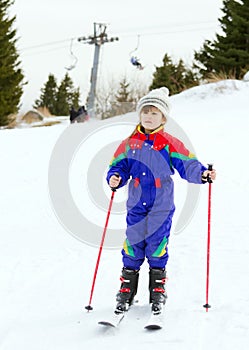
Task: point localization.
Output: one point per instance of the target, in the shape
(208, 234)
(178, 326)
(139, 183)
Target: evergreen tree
(162, 75)
(123, 92)
(75, 98)
(48, 95)
(67, 96)
(123, 102)
(11, 75)
(60, 99)
(175, 76)
(229, 52)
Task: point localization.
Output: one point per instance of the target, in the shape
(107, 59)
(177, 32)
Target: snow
(246, 76)
(46, 273)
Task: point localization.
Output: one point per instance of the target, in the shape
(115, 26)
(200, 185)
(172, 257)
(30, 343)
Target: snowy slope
(46, 273)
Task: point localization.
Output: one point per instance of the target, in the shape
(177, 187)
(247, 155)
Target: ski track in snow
(46, 274)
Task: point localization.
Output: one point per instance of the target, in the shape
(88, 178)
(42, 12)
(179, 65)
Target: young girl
(148, 158)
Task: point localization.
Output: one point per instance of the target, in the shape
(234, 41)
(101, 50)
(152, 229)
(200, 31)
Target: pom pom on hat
(158, 98)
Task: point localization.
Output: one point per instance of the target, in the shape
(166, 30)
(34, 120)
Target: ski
(114, 321)
(155, 321)
(117, 317)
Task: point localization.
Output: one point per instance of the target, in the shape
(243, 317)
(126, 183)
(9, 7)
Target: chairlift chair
(74, 59)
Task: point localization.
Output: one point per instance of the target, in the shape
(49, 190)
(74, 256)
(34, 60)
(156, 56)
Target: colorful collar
(157, 136)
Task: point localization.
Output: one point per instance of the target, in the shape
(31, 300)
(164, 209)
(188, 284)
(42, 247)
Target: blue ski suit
(148, 161)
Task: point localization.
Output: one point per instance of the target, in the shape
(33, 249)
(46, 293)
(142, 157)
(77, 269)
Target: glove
(208, 176)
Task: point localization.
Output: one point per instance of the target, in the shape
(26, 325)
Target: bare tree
(118, 97)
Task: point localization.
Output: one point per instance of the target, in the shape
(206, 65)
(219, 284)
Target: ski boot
(128, 290)
(158, 294)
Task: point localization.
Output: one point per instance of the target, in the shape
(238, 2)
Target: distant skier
(134, 60)
(148, 158)
(82, 110)
(79, 116)
(82, 115)
(73, 115)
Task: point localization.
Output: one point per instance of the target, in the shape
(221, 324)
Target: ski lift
(73, 57)
(134, 59)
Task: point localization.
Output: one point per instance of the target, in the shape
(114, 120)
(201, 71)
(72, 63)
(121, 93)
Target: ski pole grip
(114, 189)
(210, 167)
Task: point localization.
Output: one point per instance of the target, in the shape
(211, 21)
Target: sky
(48, 31)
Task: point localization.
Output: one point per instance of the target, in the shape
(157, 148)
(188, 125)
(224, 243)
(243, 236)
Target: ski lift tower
(99, 38)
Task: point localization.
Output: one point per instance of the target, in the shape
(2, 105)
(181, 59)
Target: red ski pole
(89, 307)
(207, 305)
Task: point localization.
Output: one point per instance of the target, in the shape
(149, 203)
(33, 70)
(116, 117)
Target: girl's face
(151, 118)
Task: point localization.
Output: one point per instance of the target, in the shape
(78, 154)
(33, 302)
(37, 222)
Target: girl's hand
(114, 181)
(209, 173)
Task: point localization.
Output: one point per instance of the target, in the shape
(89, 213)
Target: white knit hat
(158, 98)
